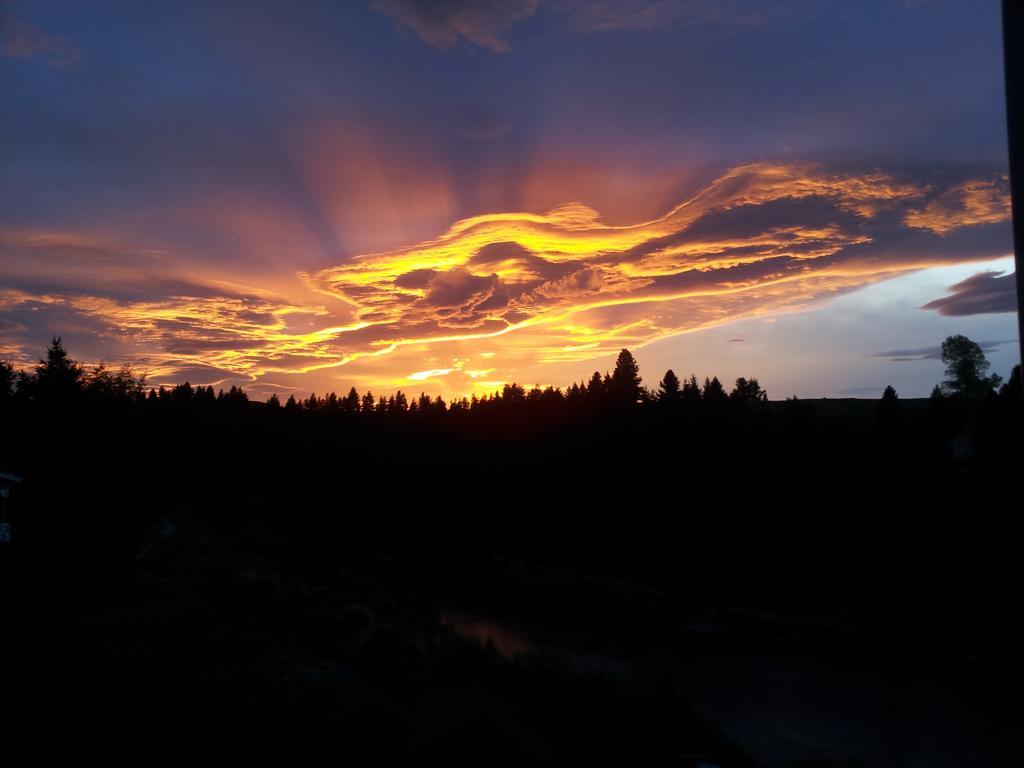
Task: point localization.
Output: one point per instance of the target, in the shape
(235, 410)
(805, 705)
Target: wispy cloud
(933, 353)
(443, 23)
(24, 41)
(608, 15)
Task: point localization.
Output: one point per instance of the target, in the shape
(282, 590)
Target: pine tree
(351, 402)
(691, 391)
(714, 392)
(748, 391)
(57, 377)
(625, 381)
(668, 388)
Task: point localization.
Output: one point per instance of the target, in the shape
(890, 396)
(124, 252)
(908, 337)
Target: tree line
(59, 378)
(94, 442)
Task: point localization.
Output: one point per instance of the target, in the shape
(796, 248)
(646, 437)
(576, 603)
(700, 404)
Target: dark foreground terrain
(790, 583)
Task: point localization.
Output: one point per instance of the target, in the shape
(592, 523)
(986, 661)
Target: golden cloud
(498, 297)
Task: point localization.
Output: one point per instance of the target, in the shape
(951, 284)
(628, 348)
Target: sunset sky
(446, 196)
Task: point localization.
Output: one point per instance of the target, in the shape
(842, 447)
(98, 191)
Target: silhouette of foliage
(1011, 390)
(965, 368)
(669, 389)
(748, 391)
(625, 386)
(714, 393)
(7, 379)
(57, 377)
(889, 407)
(691, 391)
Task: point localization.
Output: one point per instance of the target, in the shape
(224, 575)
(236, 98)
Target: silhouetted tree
(1011, 389)
(236, 396)
(889, 407)
(273, 402)
(6, 381)
(57, 376)
(128, 384)
(124, 385)
(669, 390)
(182, 393)
(714, 392)
(351, 402)
(965, 368)
(691, 391)
(748, 391)
(512, 394)
(625, 382)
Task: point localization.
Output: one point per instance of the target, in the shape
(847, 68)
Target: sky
(446, 196)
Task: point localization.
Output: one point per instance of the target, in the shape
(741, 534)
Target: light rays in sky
(502, 296)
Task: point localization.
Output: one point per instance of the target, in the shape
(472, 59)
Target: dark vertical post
(1013, 64)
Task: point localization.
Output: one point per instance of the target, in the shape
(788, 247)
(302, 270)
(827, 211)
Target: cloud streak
(19, 40)
(983, 293)
(933, 353)
(444, 23)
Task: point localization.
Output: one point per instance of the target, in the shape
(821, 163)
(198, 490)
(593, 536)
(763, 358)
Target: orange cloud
(979, 201)
(505, 296)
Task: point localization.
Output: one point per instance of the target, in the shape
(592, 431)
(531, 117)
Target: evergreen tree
(713, 392)
(57, 376)
(889, 407)
(625, 382)
(351, 402)
(669, 389)
(748, 391)
(401, 402)
(6, 382)
(691, 391)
